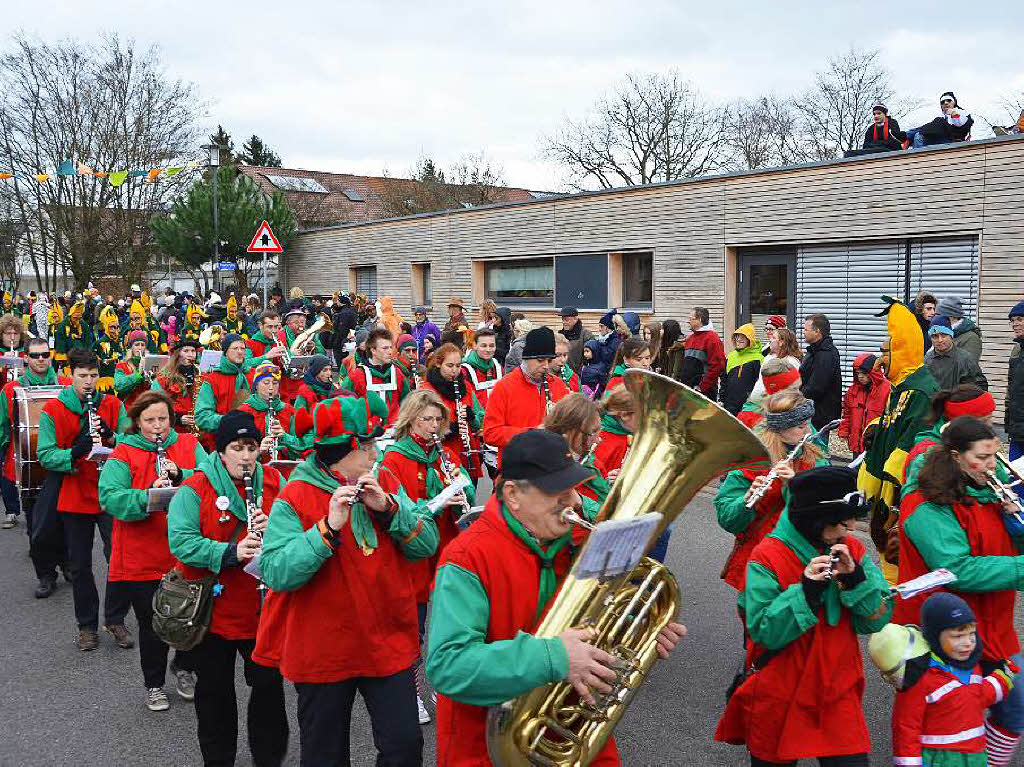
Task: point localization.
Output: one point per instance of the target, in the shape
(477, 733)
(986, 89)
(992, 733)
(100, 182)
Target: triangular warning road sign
(264, 241)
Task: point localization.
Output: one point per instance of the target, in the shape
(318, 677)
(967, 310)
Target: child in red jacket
(939, 714)
(863, 401)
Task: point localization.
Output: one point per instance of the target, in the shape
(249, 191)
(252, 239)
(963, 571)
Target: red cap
(777, 320)
(979, 407)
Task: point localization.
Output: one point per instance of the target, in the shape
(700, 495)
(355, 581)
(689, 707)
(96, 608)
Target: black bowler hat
(540, 344)
(543, 459)
(570, 311)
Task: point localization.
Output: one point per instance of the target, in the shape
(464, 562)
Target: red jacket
(355, 617)
(128, 368)
(236, 612)
(397, 470)
(510, 575)
(861, 405)
(10, 467)
(610, 452)
(940, 712)
(515, 405)
(139, 550)
(181, 396)
(703, 351)
(987, 537)
(778, 711)
(391, 388)
(482, 383)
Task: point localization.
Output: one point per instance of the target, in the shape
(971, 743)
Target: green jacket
(126, 383)
(733, 515)
(207, 417)
(53, 458)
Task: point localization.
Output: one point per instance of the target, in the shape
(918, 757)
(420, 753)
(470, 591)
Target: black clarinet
(460, 417)
(250, 517)
(547, 393)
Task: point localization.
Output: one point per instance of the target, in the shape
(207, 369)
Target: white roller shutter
(946, 267)
(845, 281)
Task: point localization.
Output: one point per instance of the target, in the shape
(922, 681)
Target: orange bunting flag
(99, 174)
(41, 177)
(153, 173)
(6, 175)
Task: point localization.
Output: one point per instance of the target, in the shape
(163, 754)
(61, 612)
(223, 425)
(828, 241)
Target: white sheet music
(210, 360)
(924, 583)
(99, 453)
(440, 500)
(253, 566)
(616, 546)
(159, 498)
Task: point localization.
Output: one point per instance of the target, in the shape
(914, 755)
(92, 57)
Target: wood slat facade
(695, 227)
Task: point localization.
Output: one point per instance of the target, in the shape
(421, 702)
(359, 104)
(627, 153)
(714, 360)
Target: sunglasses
(39, 355)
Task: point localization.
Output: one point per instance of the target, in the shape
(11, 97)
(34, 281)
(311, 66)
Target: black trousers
(79, 534)
(850, 760)
(325, 718)
(213, 661)
(152, 650)
(46, 544)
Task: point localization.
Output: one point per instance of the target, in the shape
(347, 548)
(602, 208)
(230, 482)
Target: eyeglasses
(39, 355)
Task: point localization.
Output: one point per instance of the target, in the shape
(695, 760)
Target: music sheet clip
(210, 360)
(153, 362)
(440, 500)
(616, 546)
(99, 453)
(16, 363)
(923, 583)
(300, 363)
(283, 465)
(159, 498)
(253, 567)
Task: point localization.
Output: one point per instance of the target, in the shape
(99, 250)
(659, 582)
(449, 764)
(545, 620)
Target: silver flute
(772, 475)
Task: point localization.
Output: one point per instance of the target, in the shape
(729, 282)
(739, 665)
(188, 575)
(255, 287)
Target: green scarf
(70, 400)
(619, 371)
(257, 403)
(229, 367)
(411, 449)
(805, 552)
(565, 373)
(263, 339)
(359, 520)
(613, 425)
(548, 581)
(29, 378)
(215, 471)
(597, 483)
(137, 440)
(473, 360)
(382, 372)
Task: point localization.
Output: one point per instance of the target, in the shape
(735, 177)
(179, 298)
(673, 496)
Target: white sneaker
(156, 699)
(10, 520)
(424, 714)
(185, 684)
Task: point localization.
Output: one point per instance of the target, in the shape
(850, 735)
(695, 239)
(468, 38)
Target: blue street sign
(227, 266)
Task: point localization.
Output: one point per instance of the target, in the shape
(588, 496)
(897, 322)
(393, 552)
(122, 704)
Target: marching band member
(483, 371)
(523, 397)
(494, 582)
(560, 364)
(266, 339)
(776, 375)
(951, 518)
(67, 434)
(787, 421)
(341, 616)
(357, 357)
(810, 589)
(72, 333)
(194, 316)
(414, 463)
(634, 352)
(209, 534)
(380, 374)
(130, 380)
(618, 421)
(109, 348)
(294, 324)
(317, 384)
(444, 377)
(139, 320)
(177, 379)
(408, 358)
(139, 552)
(220, 390)
(13, 338)
(578, 419)
(266, 389)
(965, 399)
(46, 542)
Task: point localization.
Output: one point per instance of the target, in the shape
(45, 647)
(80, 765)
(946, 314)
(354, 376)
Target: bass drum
(28, 405)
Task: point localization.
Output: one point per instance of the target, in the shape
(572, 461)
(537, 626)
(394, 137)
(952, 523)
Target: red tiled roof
(314, 209)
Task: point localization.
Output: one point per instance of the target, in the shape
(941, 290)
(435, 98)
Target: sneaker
(121, 635)
(185, 684)
(156, 699)
(424, 714)
(46, 588)
(87, 640)
(999, 130)
(9, 521)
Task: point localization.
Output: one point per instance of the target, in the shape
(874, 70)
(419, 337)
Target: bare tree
(763, 133)
(473, 180)
(650, 128)
(835, 111)
(106, 106)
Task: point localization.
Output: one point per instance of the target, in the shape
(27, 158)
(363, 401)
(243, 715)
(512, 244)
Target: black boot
(46, 588)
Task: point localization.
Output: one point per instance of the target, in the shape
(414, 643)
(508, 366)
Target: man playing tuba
(493, 584)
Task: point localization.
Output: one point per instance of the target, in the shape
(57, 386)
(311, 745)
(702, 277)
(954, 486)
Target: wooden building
(828, 237)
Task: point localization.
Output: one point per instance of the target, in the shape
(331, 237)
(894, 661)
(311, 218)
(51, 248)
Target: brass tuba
(304, 343)
(682, 442)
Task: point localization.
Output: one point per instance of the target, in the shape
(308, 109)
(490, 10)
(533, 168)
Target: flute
(359, 490)
(772, 475)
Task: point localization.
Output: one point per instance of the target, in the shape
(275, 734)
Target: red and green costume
(216, 397)
(453, 440)
(288, 444)
(415, 466)
(516, 404)
(199, 528)
(60, 423)
(569, 378)
(179, 389)
(493, 584)
(778, 711)
(8, 402)
(290, 386)
(353, 591)
(386, 381)
(139, 549)
(614, 442)
(129, 381)
(482, 375)
(615, 377)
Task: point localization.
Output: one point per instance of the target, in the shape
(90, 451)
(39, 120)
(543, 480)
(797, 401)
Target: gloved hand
(81, 446)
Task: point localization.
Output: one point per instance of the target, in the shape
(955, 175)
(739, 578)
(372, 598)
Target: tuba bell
(305, 342)
(682, 442)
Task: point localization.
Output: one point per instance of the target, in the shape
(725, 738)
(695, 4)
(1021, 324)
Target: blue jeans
(1009, 714)
(9, 492)
(917, 139)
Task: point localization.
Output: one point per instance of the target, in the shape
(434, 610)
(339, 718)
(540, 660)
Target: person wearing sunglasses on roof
(954, 124)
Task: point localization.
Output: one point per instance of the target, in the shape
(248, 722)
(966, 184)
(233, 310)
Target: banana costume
(72, 332)
(232, 321)
(138, 319)
(108, 348)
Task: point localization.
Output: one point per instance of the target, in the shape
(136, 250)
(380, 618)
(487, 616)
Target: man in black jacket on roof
(820, 371)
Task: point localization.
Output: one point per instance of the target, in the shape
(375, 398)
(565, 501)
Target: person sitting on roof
(884, 134)
(954, 124)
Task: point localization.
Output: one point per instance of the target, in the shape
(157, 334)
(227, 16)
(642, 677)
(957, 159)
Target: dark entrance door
(767, 286)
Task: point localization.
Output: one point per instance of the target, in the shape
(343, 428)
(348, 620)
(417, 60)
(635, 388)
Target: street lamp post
(213, 162)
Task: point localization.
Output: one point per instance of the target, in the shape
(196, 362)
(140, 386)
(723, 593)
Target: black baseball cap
(570, 311)
(543, 459)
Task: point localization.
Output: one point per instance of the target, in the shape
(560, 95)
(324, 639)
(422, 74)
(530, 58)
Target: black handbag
(182, 608)
(745, 674)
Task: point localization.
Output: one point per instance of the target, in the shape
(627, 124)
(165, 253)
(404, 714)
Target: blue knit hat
(1017, 310)
(943, 611)
(940, 325)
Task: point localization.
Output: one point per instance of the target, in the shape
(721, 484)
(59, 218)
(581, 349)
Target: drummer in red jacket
(494, 582)
(522, 399)
(70, 427)
(341, 616)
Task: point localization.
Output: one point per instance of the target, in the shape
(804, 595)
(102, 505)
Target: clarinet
(547, 393)
(447, 469)
(159, 456)
(269, 422)
(250, 517)
(460, 416)
(359, 490)
(93, 417)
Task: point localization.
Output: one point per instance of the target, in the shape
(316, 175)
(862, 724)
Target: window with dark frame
(638, 279)
(521, 282)
(366, 281)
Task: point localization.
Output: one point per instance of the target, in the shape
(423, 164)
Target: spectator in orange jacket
(863, 402)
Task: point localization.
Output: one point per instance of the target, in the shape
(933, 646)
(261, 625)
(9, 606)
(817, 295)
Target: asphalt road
(59, 706)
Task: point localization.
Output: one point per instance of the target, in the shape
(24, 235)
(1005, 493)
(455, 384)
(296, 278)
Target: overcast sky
(346, 87)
